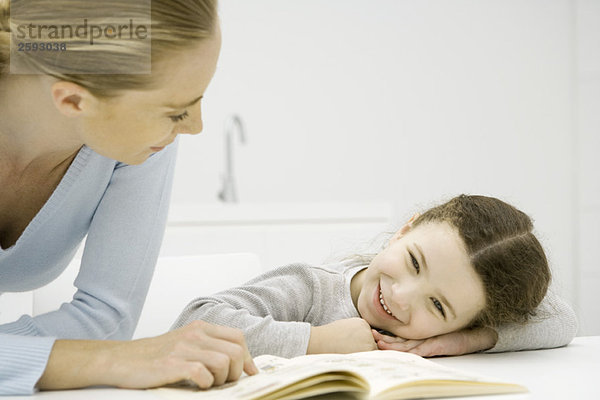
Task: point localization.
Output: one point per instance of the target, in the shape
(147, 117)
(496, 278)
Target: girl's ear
(407, 227)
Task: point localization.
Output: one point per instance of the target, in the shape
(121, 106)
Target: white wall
(587, 87)
(409, 102)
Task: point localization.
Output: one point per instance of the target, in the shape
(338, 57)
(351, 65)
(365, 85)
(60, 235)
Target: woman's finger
(249, 367)
(236, 355)
(223, 359)
(225, 340)
(217, 363)
(200, 375)
(239, 355)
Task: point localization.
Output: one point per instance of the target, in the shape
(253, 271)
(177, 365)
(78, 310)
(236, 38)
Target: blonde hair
(175, 25)
(4, 35)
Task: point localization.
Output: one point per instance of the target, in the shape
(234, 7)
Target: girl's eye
(439, 306)
(415, 263)
(180, 117)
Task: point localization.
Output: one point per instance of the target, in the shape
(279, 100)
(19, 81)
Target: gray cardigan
(276, 310)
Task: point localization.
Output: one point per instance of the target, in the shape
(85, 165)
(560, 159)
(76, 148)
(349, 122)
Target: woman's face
(132, 126)
(422, 284)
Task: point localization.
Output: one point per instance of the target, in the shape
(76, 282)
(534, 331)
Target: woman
(465, 276)
(88, 153)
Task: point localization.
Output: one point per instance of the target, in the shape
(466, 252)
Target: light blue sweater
(123, 210)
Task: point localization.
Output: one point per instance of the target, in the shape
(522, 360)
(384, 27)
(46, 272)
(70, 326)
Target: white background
(410, 103)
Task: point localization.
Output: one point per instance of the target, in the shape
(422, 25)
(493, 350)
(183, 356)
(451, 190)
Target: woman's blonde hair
(175, 25)
(4, 35)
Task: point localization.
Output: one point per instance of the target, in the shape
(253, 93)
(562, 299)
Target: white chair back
(176, 281)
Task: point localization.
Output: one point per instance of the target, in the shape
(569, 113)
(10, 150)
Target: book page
(275, 373)
(381, 369)
(387, 368)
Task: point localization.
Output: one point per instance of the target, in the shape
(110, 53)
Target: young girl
(465, 276)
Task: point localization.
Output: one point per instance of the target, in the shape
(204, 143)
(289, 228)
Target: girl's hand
(450, 344)
(386, 342)
(202, 353)
(343, 336)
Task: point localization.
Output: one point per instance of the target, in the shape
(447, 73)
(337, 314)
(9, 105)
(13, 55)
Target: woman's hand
(205, 354)
(450, 344)
(343, 336)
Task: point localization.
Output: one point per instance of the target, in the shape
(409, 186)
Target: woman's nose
(193, 124)
(189, 127)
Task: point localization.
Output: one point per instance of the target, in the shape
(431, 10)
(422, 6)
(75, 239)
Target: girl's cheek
(389, 267)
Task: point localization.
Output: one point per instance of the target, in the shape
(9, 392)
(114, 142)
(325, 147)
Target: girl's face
(422, 284)
(131, 127)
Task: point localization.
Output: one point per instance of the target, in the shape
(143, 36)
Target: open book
(369, 375)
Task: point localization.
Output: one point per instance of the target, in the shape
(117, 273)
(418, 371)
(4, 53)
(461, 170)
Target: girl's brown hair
(176, 25)
(504, 252)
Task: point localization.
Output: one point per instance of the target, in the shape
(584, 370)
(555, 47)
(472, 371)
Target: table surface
(564, 373)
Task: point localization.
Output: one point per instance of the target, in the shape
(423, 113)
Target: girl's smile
(380, 305)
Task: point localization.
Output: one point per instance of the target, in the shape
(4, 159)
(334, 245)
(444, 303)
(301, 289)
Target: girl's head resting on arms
(124, 116)
(472, 261)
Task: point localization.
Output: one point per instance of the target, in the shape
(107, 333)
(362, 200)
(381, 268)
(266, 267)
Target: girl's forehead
(436, 233)
(442, 249)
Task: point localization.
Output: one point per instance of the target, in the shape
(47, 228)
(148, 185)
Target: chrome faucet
(228, 192)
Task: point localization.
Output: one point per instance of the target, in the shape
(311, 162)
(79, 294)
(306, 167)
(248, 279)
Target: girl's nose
(402, 297)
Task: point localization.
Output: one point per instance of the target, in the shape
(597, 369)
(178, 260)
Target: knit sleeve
(554, 325)
(269, 309)
(22, 362)
(120, 254)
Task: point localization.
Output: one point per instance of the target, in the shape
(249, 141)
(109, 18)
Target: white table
(571, 373)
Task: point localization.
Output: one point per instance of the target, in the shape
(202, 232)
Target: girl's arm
(555, 325)
(269, 310)
(276, 310)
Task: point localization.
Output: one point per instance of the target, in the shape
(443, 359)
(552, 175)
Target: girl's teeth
(383, 303)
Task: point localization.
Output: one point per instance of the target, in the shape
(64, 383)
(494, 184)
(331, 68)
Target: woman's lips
(159, 148)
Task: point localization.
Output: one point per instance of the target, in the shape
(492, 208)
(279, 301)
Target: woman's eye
(415, 263)
(180, 117)
(439, 306)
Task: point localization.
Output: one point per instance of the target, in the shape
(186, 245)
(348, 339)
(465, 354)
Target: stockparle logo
(100, 40)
